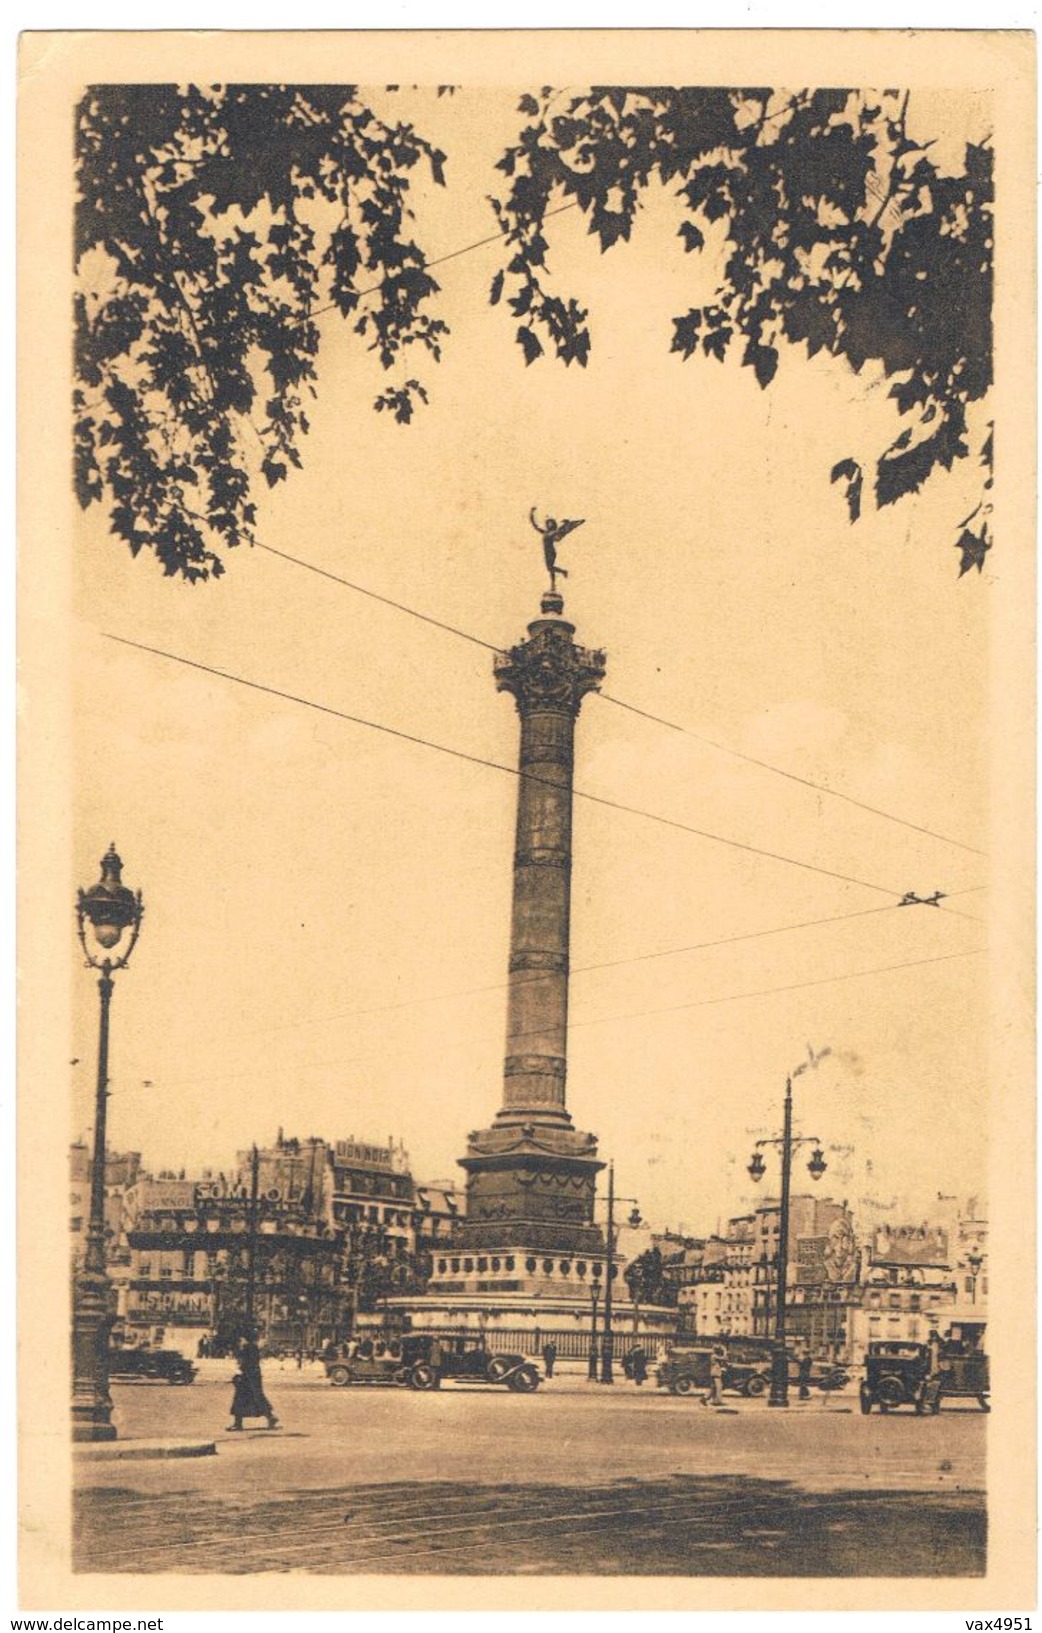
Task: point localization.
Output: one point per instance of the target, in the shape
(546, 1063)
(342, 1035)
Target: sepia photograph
(526, 820)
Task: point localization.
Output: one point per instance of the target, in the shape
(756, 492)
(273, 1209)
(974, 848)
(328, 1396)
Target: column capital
(548, 671)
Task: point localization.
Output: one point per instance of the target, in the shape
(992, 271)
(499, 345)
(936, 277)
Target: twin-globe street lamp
(788, 1142)
(108, 919)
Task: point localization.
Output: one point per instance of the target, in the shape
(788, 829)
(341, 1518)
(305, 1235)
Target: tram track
(328, 1547)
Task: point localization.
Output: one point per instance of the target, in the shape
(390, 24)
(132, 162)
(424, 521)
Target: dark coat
(249, 1399)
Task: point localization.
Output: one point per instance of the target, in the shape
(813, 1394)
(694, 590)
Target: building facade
(729, 1283)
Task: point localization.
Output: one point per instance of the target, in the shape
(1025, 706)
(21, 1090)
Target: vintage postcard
(526, 821)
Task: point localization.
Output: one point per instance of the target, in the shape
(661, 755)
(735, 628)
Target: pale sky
(328, 908)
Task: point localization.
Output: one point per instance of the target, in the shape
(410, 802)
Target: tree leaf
(530, 344)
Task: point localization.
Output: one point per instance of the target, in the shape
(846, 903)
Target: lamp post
(779, 1395)
(974, 1260)
(251, 1261)
(608, 1338)
(592, 1369)
(765, 1266)
(108, 920)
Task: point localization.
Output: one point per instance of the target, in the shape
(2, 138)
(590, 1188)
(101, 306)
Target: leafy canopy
(836, 231)
(213, 225)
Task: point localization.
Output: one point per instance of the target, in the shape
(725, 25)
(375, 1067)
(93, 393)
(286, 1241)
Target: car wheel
(757, 1384)
(890, 1392)
(865, 1397)
(339, 1377)
(497, 1369)
(683, 1386)
(423, 1377)
(525, 1380)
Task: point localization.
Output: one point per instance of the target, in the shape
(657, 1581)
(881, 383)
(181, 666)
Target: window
(482, 1264)
(566, 1267)
(468, 1264)
(530, 1265)
(495, 1264)
(508, 1263)
(581, 1267)
(442, 1266)
(455, 1267)
(548, 1267)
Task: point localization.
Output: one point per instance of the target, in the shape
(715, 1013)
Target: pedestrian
(935, 1351)
(638, 1364)
(549, 1357)
(249, 1399)
(716, 1375)
(803, 1366)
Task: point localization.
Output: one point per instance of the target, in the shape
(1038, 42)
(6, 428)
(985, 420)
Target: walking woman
(249, 1399)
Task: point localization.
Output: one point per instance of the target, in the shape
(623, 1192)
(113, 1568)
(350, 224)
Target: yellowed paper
(802, 822)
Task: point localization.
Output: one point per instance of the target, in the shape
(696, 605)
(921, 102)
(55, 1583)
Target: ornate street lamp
(108, 919)
(608, 1339)
(974, 1260)
(788, 1142)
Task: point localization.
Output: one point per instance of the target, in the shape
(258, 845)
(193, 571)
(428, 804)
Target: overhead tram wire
(496, 765)
(671, 725)
(522, 979)
(632, 1015)
(640, 1014)
(765, 992)
(631, 708)
(792, 776)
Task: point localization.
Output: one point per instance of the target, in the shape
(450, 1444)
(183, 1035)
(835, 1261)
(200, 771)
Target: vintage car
(902, 1374)
(746, 1367)
(422, 1360)
(374, 1361)
(471, 1360)
(895, 1375)
(963, 1370)
(686, 1368)
(158, 1365)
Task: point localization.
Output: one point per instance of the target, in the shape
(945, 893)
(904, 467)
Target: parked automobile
(422, 1360)
(161, 1365)
(685, 1368)
(374, 1361)
(963, 1369)
(904, 1374)
(896, 1372)
(746, 1367)
(472, 1360)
